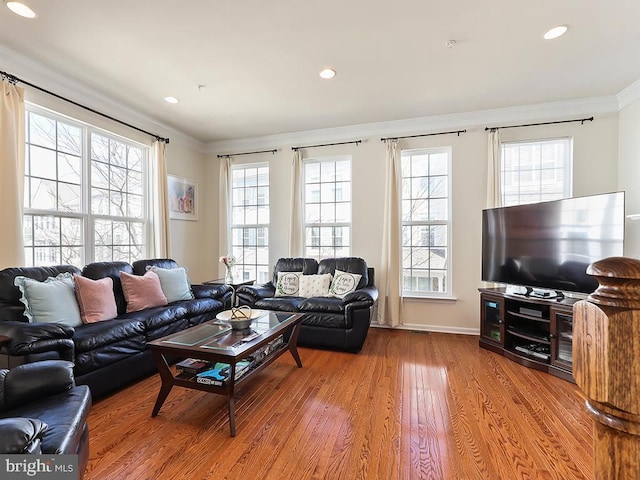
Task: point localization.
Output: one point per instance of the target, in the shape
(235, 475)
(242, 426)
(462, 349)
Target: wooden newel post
(606, 365)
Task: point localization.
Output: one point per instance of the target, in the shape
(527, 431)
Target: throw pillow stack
(295, 284)
(73, 299)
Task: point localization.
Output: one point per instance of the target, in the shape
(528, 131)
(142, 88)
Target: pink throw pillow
(95, 299)
(142, 292)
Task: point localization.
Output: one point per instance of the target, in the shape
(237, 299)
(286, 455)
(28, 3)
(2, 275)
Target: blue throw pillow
(174, 283)
(51, 301)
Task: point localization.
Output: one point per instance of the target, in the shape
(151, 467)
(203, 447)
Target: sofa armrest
(211, 291)
(33, 381)
(21, 435)
(29, 338)
(252, 293)
(367, 295)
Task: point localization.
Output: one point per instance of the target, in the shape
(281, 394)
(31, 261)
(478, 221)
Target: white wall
(595, 171)
(629, 173)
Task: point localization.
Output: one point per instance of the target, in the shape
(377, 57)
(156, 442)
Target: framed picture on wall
(183, 198)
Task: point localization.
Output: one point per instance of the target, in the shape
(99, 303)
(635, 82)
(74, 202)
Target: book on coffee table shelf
(219, 373)
(192, 366)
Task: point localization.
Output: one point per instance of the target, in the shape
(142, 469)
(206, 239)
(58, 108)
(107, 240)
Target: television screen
(549, 245)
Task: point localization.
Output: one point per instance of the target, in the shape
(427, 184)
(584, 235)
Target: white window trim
(446, 296)
(88, 252)
(305, 225)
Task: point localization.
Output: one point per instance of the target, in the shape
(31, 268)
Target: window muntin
(85, 197)
(250, 221)
(327, 207)
(536, 170)
(426, 222)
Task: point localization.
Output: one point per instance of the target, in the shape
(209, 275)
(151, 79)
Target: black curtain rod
(357, 142)
(581, 120)
(13, 79)
(423, 135)
(229, 155)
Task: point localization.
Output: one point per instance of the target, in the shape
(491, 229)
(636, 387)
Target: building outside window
(250, 221)
(327, 207)
(536, 170)
(426, 222)
(85, 195)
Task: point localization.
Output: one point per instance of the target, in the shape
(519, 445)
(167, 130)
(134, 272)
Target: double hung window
(426, 222)
(535, 170)
(250, 221)
(327, 207)
(85, 193)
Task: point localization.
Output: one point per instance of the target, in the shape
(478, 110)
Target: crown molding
(469, 120)
(629, 95)
(34, 72)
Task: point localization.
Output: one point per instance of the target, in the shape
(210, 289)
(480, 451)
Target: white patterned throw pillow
(288, 284)
(315, 285)
(343, 283)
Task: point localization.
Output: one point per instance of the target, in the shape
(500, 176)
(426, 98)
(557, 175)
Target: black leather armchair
(328, 322)
(42, 410)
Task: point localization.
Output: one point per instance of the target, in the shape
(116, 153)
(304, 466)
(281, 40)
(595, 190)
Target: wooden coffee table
(216, 342)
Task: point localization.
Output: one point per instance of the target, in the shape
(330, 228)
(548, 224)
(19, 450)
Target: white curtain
(224, 235)
(296, 234)
(390, 302)
(12, 118)
(160, 199)
(494, 184)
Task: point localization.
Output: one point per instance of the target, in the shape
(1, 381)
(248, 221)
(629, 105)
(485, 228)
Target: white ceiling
(260, 59)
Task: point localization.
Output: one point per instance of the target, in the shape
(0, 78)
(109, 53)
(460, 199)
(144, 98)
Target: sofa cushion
(95, 299)
(142, 292)
(315, 285)
(308, 266)
(51, 301)
(288, 284)
(96, 335)
(346, 264)
(343, 283)
(283, 304)
(174, 283)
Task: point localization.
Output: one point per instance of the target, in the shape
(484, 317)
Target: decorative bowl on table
(239, 317)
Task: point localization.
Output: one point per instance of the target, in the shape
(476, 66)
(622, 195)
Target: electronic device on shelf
(544, 249)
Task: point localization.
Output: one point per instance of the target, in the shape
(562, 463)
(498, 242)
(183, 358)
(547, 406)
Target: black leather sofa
(108, 354)
(43, 411)
(328, 322)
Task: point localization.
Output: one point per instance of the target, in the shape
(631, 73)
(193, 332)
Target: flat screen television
(548, 246)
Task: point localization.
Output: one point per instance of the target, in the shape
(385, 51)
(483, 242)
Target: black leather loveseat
(107, 354)
(328, 321)
(42, 411)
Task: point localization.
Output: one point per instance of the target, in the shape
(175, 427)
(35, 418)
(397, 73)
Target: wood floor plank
(408, 406)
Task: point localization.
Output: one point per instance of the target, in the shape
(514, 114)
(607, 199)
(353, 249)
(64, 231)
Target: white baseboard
(432, 328)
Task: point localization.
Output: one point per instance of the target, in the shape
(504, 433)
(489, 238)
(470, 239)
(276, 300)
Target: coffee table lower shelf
(164, 355)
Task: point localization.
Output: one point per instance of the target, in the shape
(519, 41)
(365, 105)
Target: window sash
(327, 184)
(135, 216)
(426, 236)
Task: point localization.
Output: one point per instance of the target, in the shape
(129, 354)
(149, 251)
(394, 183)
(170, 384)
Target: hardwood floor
(408, 406)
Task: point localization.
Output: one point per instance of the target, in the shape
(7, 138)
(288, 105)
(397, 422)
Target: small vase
(228, 276)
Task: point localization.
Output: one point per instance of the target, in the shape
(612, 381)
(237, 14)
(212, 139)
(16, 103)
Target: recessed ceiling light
(20, 8)
(328, 73)
(556, 32)
(171, 100)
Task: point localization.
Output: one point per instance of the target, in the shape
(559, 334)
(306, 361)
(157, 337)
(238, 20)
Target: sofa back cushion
(10, 306)
(98, 270)
(140, 267)
(346, 264)
(308, 266)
